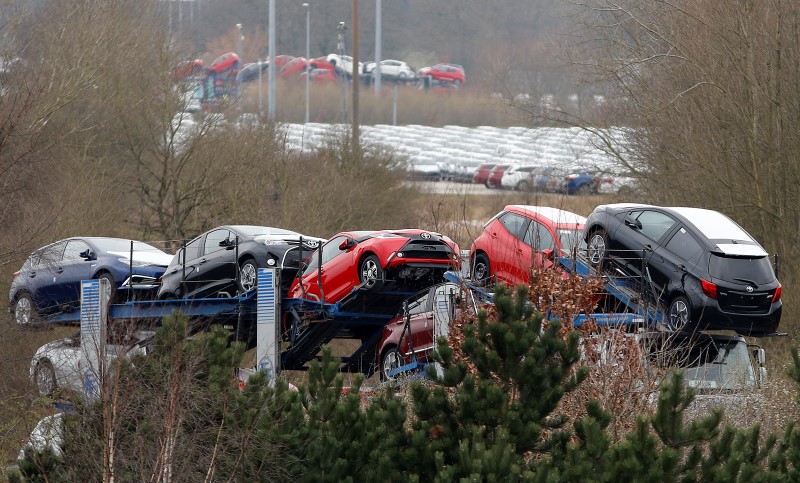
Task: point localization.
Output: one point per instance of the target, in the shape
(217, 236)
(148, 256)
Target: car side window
(331, 249)
(214, 238)
(51, 255)
(194, 249)
(74, 249)
(419, 306)
(655, 224)
(684, 245)
(539, 237)
(514, 224)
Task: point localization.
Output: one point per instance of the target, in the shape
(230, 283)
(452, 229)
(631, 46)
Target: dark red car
(496, 175)
(444, 73)
(397, 260)
(522, 237)
(482, 173)
(415, 334)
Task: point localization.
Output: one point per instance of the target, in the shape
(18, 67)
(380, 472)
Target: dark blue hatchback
(49, 280)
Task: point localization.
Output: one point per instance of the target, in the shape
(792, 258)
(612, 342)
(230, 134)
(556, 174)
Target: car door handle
(59, 270)
(32, 274)
(649, 248)
(203, 261)
(494, 235)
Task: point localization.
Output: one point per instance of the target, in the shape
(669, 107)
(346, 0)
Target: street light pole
(272, 26)
(376, 72)
(239, 79)
(308, 59)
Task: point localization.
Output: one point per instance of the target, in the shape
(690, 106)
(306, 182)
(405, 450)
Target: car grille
(745, 302)
(427, 249)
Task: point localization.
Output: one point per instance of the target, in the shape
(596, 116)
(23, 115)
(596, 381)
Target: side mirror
(347, 244)
(87, 254)
(548, 253)
(228, 244)
(635, 224)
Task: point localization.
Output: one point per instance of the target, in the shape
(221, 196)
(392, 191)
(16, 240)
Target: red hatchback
(523, 237)
(496, 175)
(397, 260)
(482, 173)
(444, 73)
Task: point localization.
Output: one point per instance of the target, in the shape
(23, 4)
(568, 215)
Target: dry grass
(465, 107)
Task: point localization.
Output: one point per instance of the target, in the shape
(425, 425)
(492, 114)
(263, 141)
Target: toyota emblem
(426, 236)
(749, 288)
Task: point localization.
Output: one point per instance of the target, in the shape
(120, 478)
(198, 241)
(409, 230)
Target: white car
(64, 363)
(520, 178)
(393, 69)
(344, 63)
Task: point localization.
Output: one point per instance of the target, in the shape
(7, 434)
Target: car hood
(310, 242)
(153, 258)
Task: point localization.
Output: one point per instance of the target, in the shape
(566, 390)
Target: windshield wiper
(747, 281)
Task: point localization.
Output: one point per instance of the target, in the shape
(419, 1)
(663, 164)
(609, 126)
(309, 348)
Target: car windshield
(120, 245)
(755, 270)
(708, 365)
(571, 239)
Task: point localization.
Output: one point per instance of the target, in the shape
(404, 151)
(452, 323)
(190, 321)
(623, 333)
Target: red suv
(523, 237)
(376, 260)
(444, 73)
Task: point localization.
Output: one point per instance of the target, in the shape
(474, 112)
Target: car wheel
(584, 190)
(24, 310)
(457, 82)
(371, 273)
(248, 275)
(523, 186)
(679, 314)
(402, 77)
(390, 361)
(45, 378)
(112, 289)
(480, 270)
(598, 247)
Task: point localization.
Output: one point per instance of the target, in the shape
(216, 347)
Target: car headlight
(135, 263)
(270, 243)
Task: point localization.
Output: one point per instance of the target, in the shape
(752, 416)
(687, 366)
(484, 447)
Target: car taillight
(778, 293)
(710, 289)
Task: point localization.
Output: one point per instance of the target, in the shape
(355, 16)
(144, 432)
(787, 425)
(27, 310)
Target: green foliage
(488, 421)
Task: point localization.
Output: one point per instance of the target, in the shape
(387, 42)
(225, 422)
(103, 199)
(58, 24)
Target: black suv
(703, 268)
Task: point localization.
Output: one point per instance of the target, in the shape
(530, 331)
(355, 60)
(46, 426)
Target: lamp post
(376, 72)
(308, 59)
(239, 53)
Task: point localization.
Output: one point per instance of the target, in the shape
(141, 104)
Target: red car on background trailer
(225, 62)
(320, 75)
(374, 260)
(322, 63)
(444, 73)
(522, 237)
(188, 68)
(496, 175)
(482, 173)
(281, 60)
(294, 67)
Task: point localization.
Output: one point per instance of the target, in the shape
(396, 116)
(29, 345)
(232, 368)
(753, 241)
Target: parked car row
(547, 179)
